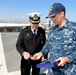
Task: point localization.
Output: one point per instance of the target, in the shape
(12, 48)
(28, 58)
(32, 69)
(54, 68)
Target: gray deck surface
(12, 57)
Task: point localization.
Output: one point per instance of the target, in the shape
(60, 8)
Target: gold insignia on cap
(35, 17)
(51, 7)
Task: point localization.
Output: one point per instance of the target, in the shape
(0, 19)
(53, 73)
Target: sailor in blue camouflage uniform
(61, 42)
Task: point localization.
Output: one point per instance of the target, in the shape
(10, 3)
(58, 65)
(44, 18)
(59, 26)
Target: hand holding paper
(37, 56)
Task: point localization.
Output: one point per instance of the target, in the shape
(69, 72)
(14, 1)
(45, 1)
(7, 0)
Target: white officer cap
(33, 13)
(34, 17)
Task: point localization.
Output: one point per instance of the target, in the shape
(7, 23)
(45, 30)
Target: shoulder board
(24, 27)
(41, 28)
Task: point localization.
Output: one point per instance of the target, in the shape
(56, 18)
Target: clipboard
(49, 63)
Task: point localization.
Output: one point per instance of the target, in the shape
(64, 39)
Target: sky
(17, 9)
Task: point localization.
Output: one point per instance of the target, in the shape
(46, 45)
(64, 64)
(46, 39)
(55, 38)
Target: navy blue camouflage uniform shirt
(62, 43)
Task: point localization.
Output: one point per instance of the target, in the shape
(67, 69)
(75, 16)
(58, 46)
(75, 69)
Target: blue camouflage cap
(55, 8)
